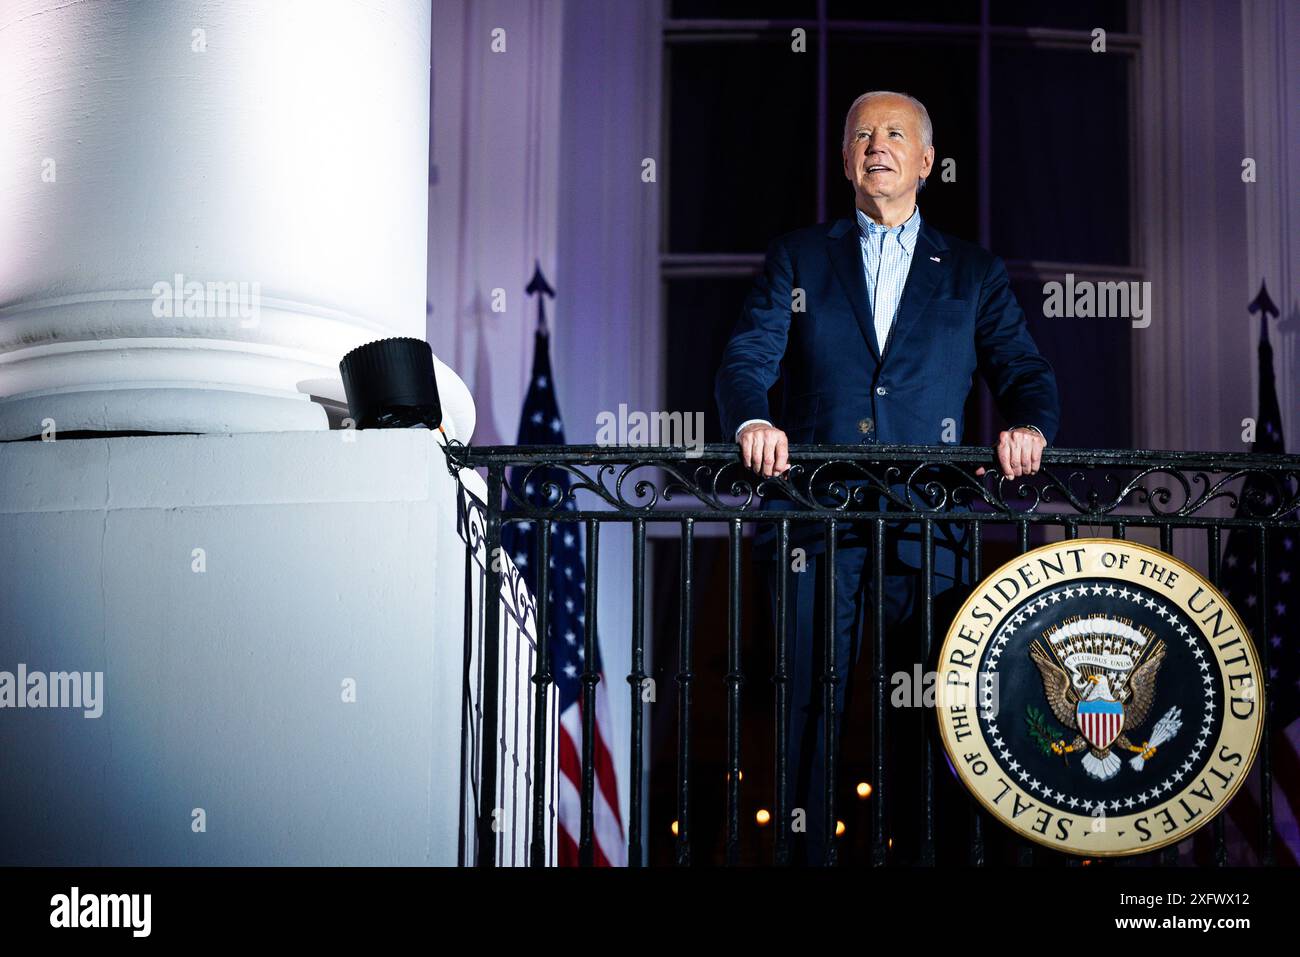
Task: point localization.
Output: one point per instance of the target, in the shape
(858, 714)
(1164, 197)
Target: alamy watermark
(179, 299)
(1085, 299)
(55, 689)
(636, 428)
(76, 909)
(924, 689)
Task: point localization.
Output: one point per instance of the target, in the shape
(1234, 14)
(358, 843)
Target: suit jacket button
(881, 390)
(865, 426)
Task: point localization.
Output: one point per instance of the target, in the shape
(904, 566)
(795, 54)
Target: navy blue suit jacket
(957, 316)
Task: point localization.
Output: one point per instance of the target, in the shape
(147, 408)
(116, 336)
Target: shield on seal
(1100, 721)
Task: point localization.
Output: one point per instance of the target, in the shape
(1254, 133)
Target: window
(1037, 127)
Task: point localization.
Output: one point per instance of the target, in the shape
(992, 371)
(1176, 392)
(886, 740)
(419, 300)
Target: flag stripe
(607, 830)
(1245, 813)
(1286, 772)
(605, 774)
(571, 799)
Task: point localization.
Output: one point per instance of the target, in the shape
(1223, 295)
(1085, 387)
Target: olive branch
(1044, 733)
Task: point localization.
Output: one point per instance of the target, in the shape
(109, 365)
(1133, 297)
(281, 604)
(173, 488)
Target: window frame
(986, 35)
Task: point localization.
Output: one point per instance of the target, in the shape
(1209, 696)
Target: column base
(158, 409)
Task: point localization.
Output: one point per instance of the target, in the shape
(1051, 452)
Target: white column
(204, 205)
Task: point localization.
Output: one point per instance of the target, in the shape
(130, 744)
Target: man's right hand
(764, 449)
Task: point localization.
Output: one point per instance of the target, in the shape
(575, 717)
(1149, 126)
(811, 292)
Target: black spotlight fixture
(390, 385)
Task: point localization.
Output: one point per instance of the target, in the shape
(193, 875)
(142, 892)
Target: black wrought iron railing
(1189, 501)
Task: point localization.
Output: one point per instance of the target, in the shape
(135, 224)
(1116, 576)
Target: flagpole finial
(538, 286)
(538, 283)
(1263, 305)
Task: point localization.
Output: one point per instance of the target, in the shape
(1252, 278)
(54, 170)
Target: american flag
(541, 425)
(1240, 581)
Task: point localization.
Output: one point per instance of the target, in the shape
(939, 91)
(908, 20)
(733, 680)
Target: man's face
(885, 156)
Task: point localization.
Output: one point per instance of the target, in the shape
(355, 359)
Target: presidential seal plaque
(1100, 697)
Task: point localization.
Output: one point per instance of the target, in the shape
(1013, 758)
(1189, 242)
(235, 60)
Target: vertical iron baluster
(1266, 756)
(553, 826)
(927, 639)
(1024, 850)
(477, 744)
(637, 680)
(830, 678)
(515, 695)
(976, 817)
(586, 844)
(1119, 530)
(1071, 532)
(542, 684)
(782, 682)
(1220, 835)
(467, 699)
(487, 837)
(879, 690)
(734, 679)
(1168, 854)
(684, 677)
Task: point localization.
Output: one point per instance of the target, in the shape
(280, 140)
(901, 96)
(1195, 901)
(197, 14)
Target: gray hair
(927, 129)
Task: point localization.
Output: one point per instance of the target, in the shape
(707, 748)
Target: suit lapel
(846, 258)
(922, 279)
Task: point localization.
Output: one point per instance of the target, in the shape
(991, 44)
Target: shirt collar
(906, 232)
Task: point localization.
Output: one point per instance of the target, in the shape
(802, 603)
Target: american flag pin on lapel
(934, 259)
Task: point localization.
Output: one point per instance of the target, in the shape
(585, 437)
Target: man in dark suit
(881, 323)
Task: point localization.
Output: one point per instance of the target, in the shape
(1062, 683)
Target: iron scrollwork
(1082, 485)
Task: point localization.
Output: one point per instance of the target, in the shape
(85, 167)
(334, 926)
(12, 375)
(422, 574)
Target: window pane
(700, 314)
(1061, 14)
(744, 9)
(1060, 150)
(1092, 361)
(915, 11)
(941, 74)
(741, 144)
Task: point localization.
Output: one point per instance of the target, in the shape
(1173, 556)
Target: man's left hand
(1019, 452)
